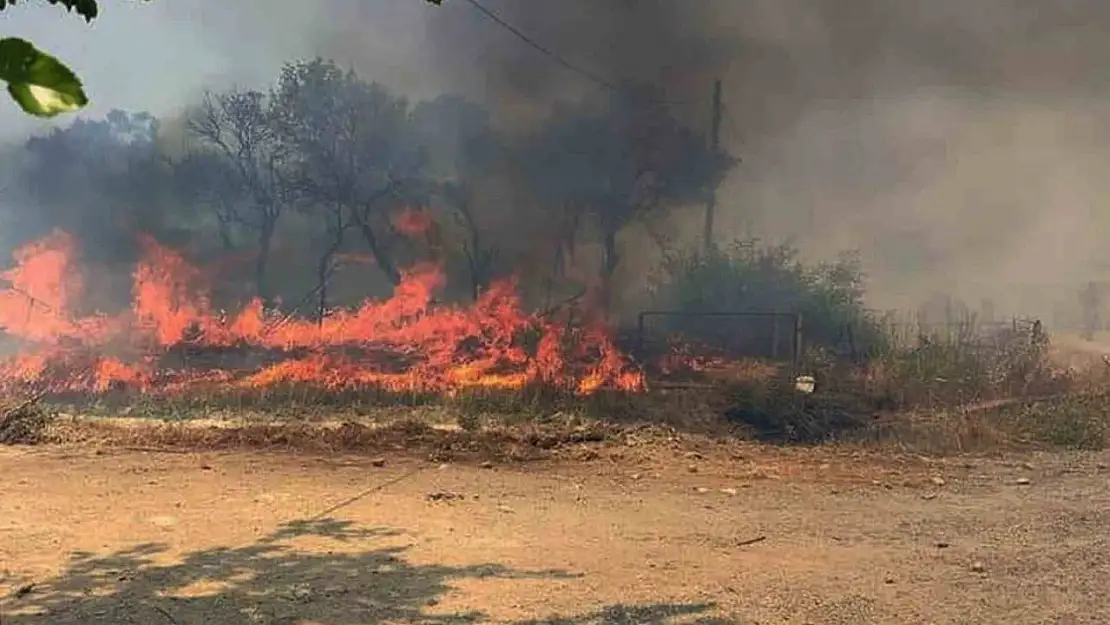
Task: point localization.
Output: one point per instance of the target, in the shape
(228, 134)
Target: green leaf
(41, 84)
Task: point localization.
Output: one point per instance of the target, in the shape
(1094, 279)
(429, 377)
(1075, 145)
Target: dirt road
(721, 536)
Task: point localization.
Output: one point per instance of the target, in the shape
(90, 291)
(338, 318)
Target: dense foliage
(754, 277)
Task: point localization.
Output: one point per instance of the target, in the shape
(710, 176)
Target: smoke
(959, 145)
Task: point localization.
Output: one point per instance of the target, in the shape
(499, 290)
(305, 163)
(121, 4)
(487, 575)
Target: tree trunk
(608, 268)
(224, 229)
(385, 263)
(322, 271)
(478, 258)
(261, 278)
(325, 267)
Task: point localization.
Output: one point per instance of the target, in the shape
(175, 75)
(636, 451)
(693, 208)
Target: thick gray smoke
(960, 145)
(780, 58)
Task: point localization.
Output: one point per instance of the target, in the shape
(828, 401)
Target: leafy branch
(40, 83)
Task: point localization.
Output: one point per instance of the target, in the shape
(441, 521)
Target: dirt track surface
(119, 537)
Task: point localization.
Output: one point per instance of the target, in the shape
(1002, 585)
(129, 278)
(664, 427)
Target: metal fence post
(798, 351)
(774, 336)
(640, 336)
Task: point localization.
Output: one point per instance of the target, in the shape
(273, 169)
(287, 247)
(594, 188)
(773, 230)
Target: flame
(162, 343)
(413, 222)
(42, 288)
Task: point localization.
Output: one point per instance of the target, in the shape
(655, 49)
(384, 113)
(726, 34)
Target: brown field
(662, 529)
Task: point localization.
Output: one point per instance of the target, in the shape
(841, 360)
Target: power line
(497, 19)
(554, 56)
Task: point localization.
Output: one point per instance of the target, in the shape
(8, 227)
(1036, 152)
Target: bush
(1077, 421)
(961, 370)
(748, 276)
(776, 412)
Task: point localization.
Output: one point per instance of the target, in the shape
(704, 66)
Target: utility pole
(715, 146)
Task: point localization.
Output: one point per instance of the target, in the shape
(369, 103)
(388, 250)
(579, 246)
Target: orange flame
(403, 343)
(42, 287)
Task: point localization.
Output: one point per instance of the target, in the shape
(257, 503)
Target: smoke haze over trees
(316, 181)
(944, 140)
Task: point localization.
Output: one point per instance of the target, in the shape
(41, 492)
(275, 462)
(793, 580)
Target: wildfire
(170, 336)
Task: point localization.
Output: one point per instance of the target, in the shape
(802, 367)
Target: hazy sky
(154, 56)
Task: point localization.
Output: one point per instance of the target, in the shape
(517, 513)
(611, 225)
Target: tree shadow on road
(272, 582)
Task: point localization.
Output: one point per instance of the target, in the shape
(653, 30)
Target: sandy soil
(721, 535)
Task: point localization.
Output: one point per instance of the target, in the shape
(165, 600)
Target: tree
(104, 178)
(462, 148)
(354, 154)
(615, 165)
(252, 181)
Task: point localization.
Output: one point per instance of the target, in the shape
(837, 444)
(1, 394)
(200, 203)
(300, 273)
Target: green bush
(749, 276)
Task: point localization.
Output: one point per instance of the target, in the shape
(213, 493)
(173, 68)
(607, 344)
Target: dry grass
(411, 435)
(942, 396)
(24, 422)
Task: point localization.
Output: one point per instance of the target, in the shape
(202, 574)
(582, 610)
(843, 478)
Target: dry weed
(440, 443)
(25, 422)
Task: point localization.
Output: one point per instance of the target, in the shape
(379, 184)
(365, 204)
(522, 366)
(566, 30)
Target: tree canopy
(329, 183)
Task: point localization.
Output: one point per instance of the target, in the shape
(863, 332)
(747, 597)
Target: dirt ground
(726, 534)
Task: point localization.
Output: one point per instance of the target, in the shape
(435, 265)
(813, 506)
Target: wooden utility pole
(715, 146)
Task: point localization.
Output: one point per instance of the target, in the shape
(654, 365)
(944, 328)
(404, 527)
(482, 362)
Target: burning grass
(170, 341)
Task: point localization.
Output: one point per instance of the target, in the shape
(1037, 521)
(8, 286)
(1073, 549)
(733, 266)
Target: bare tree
(239, 127)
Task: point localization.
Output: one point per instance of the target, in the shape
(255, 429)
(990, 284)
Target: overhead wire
(597, 79)
(542, 49)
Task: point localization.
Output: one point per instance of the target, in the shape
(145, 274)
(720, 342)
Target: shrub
(748, 276)
(962, 369)
(776, 412)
